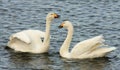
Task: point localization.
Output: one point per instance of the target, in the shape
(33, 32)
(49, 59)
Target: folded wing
(87, 45)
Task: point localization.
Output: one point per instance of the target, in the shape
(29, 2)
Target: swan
(31, 40)
(89, 48)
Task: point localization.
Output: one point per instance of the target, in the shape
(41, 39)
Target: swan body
(30, 40)
(90, 48)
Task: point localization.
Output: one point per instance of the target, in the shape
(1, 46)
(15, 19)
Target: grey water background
(89, 17)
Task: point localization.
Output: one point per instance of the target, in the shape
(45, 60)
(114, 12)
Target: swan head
(51, 16)
(65, 24)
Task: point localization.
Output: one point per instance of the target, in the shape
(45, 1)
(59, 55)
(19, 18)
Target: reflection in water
(29, 61)
(52, 61)
(93, 64)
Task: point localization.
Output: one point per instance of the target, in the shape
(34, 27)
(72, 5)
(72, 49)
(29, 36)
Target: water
(89, 17)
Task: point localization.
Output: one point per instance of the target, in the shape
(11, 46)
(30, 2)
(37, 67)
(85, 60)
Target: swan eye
(52, 14)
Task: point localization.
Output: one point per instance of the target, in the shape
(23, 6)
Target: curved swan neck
(64, 50)
(47, 34)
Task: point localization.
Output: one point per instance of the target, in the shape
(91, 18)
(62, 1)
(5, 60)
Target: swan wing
(21, 36)
(87, 45)
(24, 41)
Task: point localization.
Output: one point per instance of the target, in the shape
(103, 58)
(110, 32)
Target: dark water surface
(89, 17)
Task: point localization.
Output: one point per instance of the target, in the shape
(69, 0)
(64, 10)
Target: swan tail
(100, 52)
(112, 48)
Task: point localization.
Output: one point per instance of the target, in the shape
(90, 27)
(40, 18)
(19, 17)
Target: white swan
(30, 40)
(86, 49)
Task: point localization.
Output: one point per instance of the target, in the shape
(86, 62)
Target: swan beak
(61, 26)
(56, 15)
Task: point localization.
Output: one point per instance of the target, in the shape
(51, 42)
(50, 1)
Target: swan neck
(47, 34)
(64, 50)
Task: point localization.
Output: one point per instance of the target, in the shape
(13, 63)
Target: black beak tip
(60, 26)
(57, 16)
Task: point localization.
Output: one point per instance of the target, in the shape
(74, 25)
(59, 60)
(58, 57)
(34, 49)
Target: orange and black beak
(56, 15)
(61, 26)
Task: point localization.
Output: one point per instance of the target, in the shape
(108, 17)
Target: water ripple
(90, 18)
